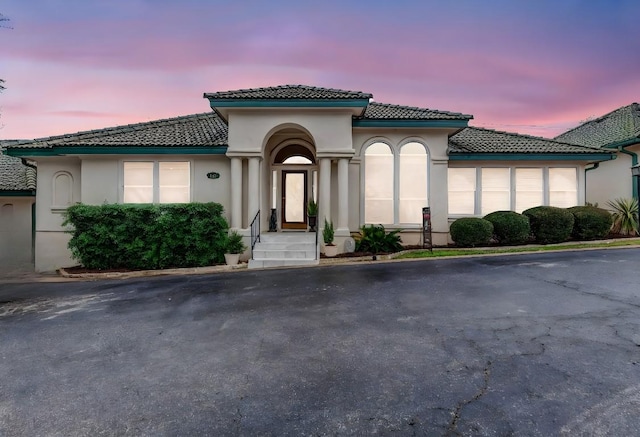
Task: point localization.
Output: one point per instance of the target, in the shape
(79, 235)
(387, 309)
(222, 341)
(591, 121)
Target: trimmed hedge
(550, 224)
(147, 236)
(509, 227)
(590, 222)
(471, 231)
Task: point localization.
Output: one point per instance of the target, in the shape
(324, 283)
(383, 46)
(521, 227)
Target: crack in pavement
(453, 425)
(578, 287)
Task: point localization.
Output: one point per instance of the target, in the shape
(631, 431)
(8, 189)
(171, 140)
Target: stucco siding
(611, 180)
(16, 252)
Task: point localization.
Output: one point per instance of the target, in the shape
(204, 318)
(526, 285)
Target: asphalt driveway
(538, 344)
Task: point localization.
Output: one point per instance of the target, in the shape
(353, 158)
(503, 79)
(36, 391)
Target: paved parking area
(539, 344)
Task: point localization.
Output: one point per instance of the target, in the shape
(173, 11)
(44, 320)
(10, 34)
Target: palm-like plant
(625, 216)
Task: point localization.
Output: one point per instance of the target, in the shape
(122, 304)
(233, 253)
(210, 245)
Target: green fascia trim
(69, 150)
(289, 103)
(21, 193)
(531, 157)
(410, 123)
(625, 143)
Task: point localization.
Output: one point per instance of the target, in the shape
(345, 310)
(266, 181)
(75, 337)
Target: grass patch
(437, 253)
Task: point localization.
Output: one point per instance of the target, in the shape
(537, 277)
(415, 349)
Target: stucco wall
(16, 252)
(436, 142)
(96, 180)
(611, 180)
(59, 185)
(250, 130)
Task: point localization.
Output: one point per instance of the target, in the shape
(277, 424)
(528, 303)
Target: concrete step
(285, 237)
(283, 254)
(260, 264)
(283, 249)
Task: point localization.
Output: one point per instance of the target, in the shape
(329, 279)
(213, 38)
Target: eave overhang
(110, 150)
(591, 157)
(399, 123)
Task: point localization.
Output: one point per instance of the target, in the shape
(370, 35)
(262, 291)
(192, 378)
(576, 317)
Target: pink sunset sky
(535, 67)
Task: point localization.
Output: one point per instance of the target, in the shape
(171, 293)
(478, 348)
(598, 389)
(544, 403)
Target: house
(17, 198)
(263, 153)
(618, 131)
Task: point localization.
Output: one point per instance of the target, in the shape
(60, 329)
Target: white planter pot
(232, 258)
(330, 251)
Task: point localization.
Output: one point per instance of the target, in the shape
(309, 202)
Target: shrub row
(542, 224)
(147, 236)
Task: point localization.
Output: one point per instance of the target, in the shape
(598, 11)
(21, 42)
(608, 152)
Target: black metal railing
(255, 231)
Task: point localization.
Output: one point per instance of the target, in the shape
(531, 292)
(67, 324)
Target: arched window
(378, 184)
(413, 182)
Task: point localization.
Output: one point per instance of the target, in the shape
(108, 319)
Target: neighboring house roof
(616, 127)
(198, 130)
(288, 92)
(385, 111)
(474, 140)
(14, 175)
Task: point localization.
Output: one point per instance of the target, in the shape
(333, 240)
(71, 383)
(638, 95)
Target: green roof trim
(18, 193)
(108, 150)
(410, 123)
(531, 156)
(288, 103)
(625, 143)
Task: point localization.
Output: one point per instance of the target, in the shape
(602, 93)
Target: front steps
(283, 249)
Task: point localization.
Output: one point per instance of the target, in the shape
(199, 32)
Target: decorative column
(324, 195)
(236, 192)
(343, 194)
(253, 196)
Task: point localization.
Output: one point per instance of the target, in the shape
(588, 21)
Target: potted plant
(234, 246)
(330, 249)
(312, 214)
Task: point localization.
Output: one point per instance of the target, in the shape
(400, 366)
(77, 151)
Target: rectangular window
(496, 190)
(563, 187)
(462, 191)
(529, 188)
(156, 182)
(138, 182)
(174, 180)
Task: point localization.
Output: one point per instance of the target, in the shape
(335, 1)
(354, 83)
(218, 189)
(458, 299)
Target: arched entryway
(294, 182)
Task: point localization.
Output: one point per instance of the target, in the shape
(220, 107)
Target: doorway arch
(294, 182)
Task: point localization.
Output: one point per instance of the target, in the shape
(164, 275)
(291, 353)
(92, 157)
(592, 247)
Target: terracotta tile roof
(198, 130)
(620, 125)
(288, 92)
(15, 176)
(385, 111)
(479, 140)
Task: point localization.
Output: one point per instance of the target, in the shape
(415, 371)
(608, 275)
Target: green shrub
(374, 239)
(328, 232)
(147, 236)
(625, 216)
(509, 227)
(550, 224)
(590, 222)
(471, 231)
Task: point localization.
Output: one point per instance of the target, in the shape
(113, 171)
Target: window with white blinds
(563, 191)
(413, 182)
(508, 188)
(496, 190)
(462, 191)
(378, 184)
(529, 188)
(156, 182)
